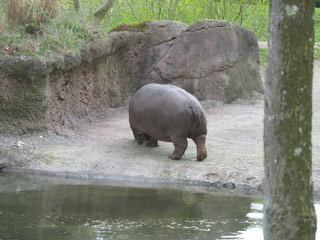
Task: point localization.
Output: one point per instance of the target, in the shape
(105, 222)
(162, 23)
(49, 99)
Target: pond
(50, 208)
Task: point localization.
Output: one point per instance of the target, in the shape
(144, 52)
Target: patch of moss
(25, 104)
(139, 27)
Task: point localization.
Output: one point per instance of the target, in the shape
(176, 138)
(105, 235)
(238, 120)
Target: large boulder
(212, 60)
(160, 36)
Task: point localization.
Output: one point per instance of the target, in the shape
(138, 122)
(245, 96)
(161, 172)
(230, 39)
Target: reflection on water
(36, 208)
(255, 231)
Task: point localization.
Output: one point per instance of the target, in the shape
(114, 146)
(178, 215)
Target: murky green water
(44, 208)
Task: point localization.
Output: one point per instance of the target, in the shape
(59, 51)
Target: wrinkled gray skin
(168, 113)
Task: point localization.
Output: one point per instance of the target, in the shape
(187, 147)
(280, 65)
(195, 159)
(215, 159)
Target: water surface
(41, 208)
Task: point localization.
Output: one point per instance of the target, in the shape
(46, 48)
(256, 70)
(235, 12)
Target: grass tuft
(30, 12)
(66, 32)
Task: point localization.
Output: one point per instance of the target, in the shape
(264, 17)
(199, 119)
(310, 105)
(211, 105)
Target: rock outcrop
(215, 60)
(212, 60)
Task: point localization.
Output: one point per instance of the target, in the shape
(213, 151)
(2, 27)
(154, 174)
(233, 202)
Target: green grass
(317, 25)
(64, 33)
(263, 56)
(67, 32)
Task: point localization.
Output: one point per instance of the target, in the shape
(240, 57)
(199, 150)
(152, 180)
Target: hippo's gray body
(168, 113)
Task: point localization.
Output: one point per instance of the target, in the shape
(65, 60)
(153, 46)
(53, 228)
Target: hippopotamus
(164, 112)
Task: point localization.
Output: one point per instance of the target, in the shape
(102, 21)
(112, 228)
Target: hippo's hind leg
(139, 137)
(180, 146)
(152, 142)
(200, 141)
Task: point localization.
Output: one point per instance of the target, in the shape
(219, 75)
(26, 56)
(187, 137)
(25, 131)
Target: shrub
(30, 12)
(250, 14)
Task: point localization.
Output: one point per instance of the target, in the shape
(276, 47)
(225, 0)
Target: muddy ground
(104, 148)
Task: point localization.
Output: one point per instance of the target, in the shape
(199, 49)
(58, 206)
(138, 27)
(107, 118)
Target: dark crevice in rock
(215, 70)
(208, 24)
(166, 41)
(164, 79)
(169, 47)
(205, 28)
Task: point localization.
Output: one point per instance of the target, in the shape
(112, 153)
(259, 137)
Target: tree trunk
(288, 206)
(76, 4)
(102, 11)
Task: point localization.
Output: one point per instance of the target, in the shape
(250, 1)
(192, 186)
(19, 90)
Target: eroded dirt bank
(105, 148)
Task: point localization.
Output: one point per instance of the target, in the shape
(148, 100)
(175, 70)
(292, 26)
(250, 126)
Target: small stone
(18, 145)
(229, 185)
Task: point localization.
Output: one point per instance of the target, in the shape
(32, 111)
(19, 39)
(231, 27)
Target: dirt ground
(105, 149)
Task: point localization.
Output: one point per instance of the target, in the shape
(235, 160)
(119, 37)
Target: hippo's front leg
(200, 141)
(180, 146)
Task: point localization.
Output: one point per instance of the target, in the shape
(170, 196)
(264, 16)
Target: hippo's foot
(138, 136)
(200, 141)
(152, 142)
(201, 156)
(139, 139)
(174, 157)
(180, 146)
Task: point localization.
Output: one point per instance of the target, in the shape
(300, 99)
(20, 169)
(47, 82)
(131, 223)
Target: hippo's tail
(197, 115)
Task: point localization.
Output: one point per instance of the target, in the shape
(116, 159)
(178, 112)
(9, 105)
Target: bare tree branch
(102, 11)
(77, 5)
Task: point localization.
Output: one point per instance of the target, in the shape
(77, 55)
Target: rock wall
(210, 59)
